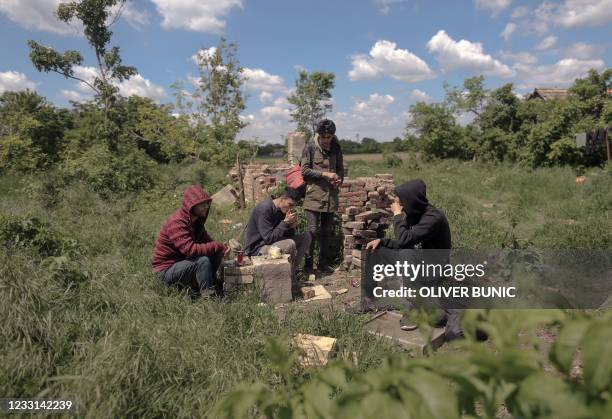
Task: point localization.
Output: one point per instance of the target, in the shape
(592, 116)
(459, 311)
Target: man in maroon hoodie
(185, 255)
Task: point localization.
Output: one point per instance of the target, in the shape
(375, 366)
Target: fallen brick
(366, 234)
(346, 217)
(368, 215)
(316, 350)
(307, 292)
(354, 224)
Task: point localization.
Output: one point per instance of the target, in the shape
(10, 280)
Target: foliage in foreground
(475, 382)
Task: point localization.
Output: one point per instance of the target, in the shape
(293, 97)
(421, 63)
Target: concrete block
(239, 279)
(296, 141)
(315, 350)
(273, 278)
(270, 278)
(226, 196)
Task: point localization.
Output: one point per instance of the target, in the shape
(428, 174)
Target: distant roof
(552, 93)
(548, 93)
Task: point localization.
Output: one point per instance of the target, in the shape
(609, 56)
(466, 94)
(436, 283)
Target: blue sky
(386, 54)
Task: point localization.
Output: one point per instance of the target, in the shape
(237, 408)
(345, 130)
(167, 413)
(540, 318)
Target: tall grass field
(83, 316)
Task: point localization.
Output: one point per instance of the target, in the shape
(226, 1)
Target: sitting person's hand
(291, 218)
(226, 251)
(396, 207)
(374, 244)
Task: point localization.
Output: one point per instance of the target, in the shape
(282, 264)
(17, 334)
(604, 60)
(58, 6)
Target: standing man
(185, 255)
(273, 222)
(323, 171)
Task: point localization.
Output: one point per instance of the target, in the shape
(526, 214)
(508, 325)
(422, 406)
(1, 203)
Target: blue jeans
(197, 273)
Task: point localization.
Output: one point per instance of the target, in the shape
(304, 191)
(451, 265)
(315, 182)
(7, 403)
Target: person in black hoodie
(418, 224)
(415, 221)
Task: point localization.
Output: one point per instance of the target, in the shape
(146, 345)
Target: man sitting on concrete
(417, 223)
(185, 255)
(273, 223)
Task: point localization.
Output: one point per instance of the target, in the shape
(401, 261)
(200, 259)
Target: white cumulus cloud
(520, 11)
(384, 6)
(493, 6)
(374, 116)
(259, 80)
(74, 96)
(584, 51)
(136, 85)
(386, 59)
(195, 15)
(560, 74)
(15, 81)
(508, 31)
(547, 43)
(40, 15)
(420, 96)
(465, 55)
(576, 13)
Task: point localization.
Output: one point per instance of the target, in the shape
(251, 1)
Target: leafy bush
(33, 233)
(477, 381)
(392, 160)
(108, 172)
(564, 152)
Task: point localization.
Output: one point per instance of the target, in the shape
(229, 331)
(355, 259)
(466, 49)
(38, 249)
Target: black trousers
(321, 228)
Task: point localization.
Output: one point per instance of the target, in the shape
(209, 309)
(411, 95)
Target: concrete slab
(386, 325)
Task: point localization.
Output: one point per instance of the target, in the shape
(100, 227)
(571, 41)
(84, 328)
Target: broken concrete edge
(413, 340)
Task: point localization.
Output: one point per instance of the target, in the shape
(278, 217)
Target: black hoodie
(420, 223)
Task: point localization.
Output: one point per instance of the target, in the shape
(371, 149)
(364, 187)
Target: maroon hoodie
(182, 235)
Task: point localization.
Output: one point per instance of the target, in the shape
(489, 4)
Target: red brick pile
(364, 206)
(260, 179)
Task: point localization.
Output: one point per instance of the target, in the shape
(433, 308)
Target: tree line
(115, 142)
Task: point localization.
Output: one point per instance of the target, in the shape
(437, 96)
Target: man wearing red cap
(185, 255)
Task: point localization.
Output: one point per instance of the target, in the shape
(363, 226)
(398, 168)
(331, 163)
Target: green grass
(102, 330)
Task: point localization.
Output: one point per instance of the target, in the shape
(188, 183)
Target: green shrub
(564, 152)
(33, 233)
(392, 160)
(106, 172)
(477, 381)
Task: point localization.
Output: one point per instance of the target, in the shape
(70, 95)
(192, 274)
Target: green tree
(311, 99)
(97, 18)
(471, 98)
(31, 131)
(439, 134)
(370, 145)
(220, 101)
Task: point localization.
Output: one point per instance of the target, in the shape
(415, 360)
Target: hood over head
(193, 196)
(413, 196)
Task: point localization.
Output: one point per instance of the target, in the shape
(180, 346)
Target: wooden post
(241, 201)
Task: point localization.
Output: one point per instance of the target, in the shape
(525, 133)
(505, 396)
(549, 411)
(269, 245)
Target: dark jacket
(420, 223)
(183, 236)
(265, 226)
(321, 195)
